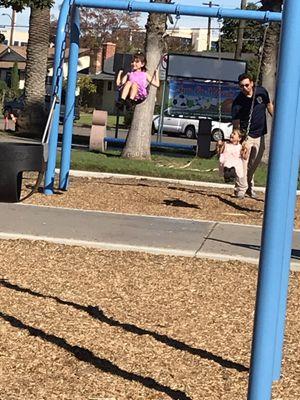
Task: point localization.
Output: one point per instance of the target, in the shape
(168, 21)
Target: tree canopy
(99, 26)
(252, 37)
(19, 5)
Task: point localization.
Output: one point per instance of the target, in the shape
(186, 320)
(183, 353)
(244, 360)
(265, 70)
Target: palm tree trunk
(32, 120)
(269, 64)
(139, 137)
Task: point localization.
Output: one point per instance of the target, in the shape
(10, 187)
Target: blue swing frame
(274, 264)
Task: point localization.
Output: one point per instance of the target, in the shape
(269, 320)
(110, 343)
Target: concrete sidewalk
(159, 235)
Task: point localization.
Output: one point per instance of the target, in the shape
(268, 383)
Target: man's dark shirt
(241, 109)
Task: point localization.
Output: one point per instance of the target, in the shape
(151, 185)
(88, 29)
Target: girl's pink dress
(231, 157)
(140, 78)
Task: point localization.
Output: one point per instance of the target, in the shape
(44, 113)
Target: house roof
(11, 54)
(103, 77)
(9, 51)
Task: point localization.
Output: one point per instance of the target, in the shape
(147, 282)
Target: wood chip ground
(87, 324)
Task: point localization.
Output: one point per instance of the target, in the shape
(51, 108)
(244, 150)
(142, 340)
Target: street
(85, 132)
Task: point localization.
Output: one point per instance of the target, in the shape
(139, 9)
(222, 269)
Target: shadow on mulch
(88, 356)
(228, 202)
(98, 314)
(180, 203)
(295, 253)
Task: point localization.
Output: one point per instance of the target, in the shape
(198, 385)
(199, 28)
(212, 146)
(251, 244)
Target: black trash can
(16, 158)
(204, 138)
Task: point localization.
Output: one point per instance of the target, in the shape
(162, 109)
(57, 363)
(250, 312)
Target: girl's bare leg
(133, 91)
(126, 90)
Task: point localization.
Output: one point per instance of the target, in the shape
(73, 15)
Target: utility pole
(13, 19)
(12, 25)
(240, 33)
(209, 4)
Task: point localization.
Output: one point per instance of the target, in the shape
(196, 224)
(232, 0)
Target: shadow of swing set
(274, 264)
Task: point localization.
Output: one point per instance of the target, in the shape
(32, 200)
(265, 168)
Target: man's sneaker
(239, 195)
(251, 194)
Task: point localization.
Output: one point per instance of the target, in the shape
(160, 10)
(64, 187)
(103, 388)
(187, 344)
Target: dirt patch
(157, 198)
(83, 324)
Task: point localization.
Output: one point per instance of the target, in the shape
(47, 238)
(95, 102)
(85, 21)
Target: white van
(188, 126)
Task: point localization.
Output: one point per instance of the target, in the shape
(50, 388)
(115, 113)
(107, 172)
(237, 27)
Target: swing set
(274, 264)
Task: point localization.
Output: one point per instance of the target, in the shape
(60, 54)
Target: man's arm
(270, 108)
(236, 124)
(154, 79)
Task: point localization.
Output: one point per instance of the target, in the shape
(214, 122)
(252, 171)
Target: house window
(16, 43)
(23, 44)
(5, 42)
(109, 86)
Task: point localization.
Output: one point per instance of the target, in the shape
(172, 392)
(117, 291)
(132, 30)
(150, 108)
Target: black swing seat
(16, 158)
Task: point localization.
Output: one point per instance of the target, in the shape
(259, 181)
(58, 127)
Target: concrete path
(159, 235)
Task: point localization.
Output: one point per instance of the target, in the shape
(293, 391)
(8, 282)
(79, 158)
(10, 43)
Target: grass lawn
(162, 165)
(86, 120)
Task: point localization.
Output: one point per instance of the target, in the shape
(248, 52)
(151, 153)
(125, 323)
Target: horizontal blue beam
(179, 9)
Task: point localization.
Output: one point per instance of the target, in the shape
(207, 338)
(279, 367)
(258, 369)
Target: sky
(192, 22)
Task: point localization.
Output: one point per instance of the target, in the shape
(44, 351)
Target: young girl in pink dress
(134, 85)
(232, 154)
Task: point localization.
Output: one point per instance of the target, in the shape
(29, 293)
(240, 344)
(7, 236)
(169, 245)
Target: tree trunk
(139, 137)
(269, 65)
(32, 120)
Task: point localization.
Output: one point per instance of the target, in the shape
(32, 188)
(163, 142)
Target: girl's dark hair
(140, 57)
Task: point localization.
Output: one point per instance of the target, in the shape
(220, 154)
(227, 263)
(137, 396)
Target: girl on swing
(133, 86)
(232, 155)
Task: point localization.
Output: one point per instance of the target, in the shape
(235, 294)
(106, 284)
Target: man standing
(250, 104)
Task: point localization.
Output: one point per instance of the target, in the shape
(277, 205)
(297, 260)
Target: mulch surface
(85, 324)
(80, 323)
(157, 198)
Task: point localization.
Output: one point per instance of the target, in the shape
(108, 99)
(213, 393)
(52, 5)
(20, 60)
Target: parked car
(16, 105)
(188, 126)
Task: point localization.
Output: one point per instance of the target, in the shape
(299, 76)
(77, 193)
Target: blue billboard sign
(193, 98)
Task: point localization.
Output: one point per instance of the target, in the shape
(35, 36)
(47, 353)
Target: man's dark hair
(245, 76)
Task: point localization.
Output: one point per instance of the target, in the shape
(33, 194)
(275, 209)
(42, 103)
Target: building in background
(196, 37)
(20, 37)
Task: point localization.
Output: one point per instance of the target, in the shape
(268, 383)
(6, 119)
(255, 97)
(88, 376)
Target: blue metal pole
(179, 9)
(56, 91)
(70, 100)
(292, 197)
(277, 200)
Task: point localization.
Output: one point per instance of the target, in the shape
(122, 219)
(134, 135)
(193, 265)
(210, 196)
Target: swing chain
(220, 82)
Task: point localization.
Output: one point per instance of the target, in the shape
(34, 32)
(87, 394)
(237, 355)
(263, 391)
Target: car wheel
(217, 134)
(190, 132)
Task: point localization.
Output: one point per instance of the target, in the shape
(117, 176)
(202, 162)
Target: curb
(145, 249)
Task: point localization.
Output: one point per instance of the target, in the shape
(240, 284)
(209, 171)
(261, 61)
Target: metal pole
(277, 202)
(240, 33)
(287, 249)
(161, 117)
(209, 4)
(12, 28)
(70, 100)
(56, 90)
